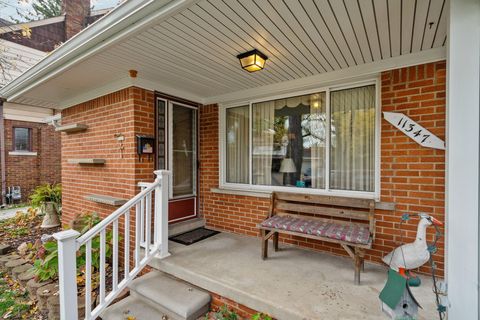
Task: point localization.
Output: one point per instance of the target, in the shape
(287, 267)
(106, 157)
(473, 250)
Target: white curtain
(318, 132)
(352, 164)
(237, 136)
(263, 134)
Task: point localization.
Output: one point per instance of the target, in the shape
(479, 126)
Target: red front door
(177, 152)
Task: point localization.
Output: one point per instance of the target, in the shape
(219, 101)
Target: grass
(20, 225)
(18, 232)
(14, 302)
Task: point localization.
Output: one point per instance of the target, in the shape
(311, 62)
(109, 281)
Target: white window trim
(333, 192)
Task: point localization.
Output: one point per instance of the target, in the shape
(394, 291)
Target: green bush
(224, 314)
(261, 316)
(46, 193)
(45, 266)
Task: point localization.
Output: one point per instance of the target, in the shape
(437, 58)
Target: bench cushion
(353, 233)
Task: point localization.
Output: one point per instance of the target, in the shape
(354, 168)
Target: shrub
(46, 265)
(47, 193)
(261, 316)
(224, 314)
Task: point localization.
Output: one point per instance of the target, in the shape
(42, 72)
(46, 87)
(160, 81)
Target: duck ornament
(412, 255)
(396, 298)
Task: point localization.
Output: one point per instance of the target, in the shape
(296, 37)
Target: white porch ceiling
(193, 52)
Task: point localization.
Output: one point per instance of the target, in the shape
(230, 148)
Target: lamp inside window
(252, 60)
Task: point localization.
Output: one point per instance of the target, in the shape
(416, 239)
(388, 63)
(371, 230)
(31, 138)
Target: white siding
(16, 59)
(15, 111)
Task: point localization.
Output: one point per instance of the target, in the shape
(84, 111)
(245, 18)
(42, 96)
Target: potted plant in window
(48, 198)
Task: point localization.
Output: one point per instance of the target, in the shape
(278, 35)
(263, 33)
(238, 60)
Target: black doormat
(193, 236)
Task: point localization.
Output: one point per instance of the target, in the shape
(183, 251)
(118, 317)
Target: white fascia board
(352, 74)
(23, 112)
(24, 118)
(26, 107)
(127, 19)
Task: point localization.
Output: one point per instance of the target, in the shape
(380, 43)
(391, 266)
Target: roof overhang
(188, 48)
(130, 17)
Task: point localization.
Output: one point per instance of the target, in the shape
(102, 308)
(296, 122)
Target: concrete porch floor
(292, 284)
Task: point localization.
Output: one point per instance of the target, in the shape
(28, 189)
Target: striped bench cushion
(350, 233)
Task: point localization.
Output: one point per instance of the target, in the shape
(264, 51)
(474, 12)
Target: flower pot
(51, 218)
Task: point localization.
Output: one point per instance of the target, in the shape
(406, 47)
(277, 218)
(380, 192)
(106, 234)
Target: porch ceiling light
(252, 60)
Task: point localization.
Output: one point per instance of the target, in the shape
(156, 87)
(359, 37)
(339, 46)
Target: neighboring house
(47, 34)
(166, 73)
(31, 147)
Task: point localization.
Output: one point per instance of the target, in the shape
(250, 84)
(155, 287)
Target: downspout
(2, 152)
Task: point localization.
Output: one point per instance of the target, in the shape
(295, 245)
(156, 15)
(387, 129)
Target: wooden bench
(346, 221)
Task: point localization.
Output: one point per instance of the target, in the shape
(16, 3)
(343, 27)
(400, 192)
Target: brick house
(157, 86)
(31, 147)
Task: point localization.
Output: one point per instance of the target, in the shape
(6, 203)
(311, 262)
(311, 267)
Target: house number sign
(415, 131)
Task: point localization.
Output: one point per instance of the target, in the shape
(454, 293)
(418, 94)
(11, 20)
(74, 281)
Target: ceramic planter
(51, 218)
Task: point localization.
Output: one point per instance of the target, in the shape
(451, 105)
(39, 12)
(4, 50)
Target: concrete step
(131, 306)
(185, 226)
(172, 297)
(158, 296)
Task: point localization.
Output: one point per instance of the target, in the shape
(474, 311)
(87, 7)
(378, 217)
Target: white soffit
(194, 50)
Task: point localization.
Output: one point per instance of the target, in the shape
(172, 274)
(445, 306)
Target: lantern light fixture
(253, 60)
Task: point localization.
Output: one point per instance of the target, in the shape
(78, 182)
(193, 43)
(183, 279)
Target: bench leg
(359, 261)
(264, 239)
(275, 241)
(358, 266)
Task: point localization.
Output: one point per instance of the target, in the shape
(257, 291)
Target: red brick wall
(29, 171)
(218, 302)
(411, 176)
(128, 112)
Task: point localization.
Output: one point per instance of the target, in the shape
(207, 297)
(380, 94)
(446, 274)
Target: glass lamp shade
(287, 166)
(252, 60)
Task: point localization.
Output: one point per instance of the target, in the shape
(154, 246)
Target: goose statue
(412, 255)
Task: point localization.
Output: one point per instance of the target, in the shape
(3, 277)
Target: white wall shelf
(106, 200)
(86, 161)
(72, 128)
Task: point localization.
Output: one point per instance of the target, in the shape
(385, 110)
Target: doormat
(193, 236)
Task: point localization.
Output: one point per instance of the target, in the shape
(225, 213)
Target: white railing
(154, 244)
